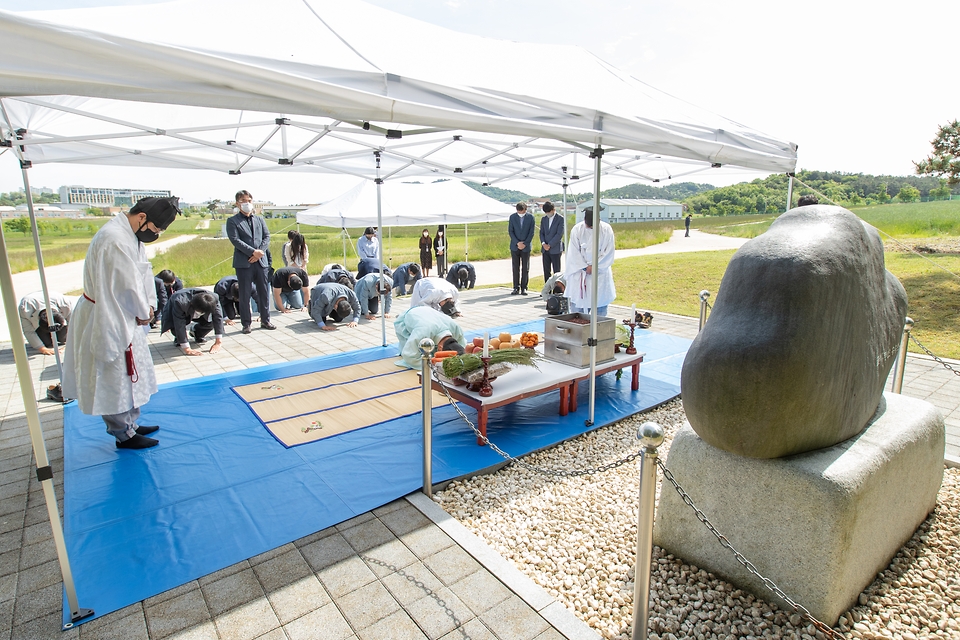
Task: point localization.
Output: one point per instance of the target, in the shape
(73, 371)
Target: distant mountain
(675, 192)
(503, 195)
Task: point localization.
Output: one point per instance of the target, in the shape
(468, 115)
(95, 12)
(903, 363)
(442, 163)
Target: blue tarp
(220, 489)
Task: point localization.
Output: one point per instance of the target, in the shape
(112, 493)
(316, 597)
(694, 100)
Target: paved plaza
(404, 570)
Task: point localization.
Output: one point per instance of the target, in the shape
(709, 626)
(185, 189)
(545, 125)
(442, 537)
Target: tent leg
(383, 278)
(789, 192)
(44, 471)
(466, 244)
(594, 282)
(43, 275)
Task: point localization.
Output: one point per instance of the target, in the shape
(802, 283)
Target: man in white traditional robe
(579, 268)
(438, 294)
(108, 367)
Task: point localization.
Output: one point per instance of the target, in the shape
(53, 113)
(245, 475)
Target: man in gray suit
(551, 240)
(250, 238)
(521, 228)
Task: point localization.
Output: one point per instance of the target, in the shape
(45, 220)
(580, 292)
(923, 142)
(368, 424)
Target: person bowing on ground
(336, 273)
(227, 290)
(33, 320)
(438, 294)
(289, 293)
(107, 366)
(369, 289)
(332, 302)
(406, 275)
(196, 306)
(462, 275)
(417, 323)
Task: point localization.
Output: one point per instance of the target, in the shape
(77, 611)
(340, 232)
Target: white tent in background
(334, 87)
(406, 204)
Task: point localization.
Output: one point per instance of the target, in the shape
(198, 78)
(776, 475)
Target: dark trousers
(43, 332)
(374, 305)
(246, 278)
(521, 269)
(201, 328)
(550, 261)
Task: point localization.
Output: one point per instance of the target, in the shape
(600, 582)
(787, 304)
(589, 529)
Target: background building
(98, 197)
(617, 210)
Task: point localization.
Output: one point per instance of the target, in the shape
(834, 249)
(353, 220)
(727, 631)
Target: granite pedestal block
(820, 524)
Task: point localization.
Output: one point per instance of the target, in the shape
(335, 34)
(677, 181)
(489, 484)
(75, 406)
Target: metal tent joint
(592, 342)
(234, 172)
(284, 161)
(282, 121)
(596, 153)
(44, 473)
(6, 143)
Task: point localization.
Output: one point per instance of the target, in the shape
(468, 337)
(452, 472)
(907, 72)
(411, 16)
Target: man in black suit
(551, 240)
(521, 227)
(250, 238)
(196, 306)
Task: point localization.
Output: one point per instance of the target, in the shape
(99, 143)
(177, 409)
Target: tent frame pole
(383, 278)
(43, 276)
(466, 244)
(566, 227)
(44, 470)
(789, 192)
(597, 155)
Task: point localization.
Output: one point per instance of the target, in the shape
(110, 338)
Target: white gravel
(576, 537)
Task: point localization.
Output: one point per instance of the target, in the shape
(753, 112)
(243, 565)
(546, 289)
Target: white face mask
(426, 235)
(246, 207)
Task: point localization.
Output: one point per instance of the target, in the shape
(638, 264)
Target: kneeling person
(336, 273)
(200, 307)
(438, 294)
(462, 275)
(369, 289)
(288, 289)
(418, 323)
(227, 290)
(406, 275)
(33, 320)
(332, 302)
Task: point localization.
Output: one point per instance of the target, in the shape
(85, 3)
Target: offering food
(529, 340)
(506, 337)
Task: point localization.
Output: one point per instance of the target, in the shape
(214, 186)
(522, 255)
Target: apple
(478, 342)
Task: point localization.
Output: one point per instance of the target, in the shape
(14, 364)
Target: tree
(908, 194)
(945, 159)
(21, 224)
(882, 196)
(942, 192)
(213, 206)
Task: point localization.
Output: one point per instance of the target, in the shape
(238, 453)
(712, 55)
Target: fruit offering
(529, 340)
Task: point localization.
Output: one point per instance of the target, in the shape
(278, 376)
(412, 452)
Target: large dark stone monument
(795, 454)
(803, 334)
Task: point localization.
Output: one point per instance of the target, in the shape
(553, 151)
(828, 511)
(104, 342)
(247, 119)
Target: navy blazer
(247, 235)
(177, 316)
(521, 230)
(554, 235)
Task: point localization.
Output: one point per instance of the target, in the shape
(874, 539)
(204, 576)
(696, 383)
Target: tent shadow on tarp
(220, 489)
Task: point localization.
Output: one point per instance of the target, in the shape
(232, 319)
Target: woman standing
(295, 253)
(426, 256)
(440, 248)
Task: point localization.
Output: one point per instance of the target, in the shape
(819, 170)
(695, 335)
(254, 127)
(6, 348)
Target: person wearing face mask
(437, 294)
(107, 366)
(406, 275)
(426, 257)
(440, 249)
(251, 240)
(520, 227)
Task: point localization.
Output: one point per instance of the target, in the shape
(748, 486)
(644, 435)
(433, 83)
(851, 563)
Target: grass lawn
(672, 283)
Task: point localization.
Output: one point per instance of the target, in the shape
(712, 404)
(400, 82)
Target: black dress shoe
(145, 430)
(137, 442)
(196, 339)
(523, 292)
(268, 325)
(55, 393)
(246, 329)
(515, 292)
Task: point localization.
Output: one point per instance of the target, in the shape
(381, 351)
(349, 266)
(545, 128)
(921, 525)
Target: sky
(860, 86)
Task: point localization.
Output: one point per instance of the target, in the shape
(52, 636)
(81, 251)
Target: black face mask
(449, 308)
(146, 235)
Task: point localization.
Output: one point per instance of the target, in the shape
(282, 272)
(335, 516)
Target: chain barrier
(932, 355)
(749, 566)
(559, 473)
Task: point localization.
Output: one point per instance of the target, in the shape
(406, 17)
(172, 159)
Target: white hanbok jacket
(430, 292)
(579, 256)
(118, 278)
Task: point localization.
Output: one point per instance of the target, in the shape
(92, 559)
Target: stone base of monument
(820, 524)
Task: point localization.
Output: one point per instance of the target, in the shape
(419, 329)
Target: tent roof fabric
(311, 85)
(407, 204)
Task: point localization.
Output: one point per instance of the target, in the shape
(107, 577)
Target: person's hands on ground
(327, 327)
(191, 352)
(352, 324)
(285, 310)
(47, 351)
(229, 322)
(216, 346)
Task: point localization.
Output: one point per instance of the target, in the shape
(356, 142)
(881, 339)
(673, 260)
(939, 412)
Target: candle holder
(632, 323)
(485, 389)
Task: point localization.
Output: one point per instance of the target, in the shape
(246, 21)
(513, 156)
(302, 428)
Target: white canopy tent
(344, 87)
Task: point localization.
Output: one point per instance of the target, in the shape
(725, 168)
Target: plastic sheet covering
(220, 489)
